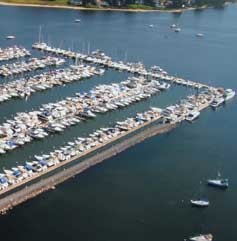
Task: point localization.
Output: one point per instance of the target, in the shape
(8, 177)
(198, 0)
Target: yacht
(229, 94)
(173, 26)
(221, 183)
(200, 203)
(217, 102)
(192, 116)
(202, 237)
(77, 20)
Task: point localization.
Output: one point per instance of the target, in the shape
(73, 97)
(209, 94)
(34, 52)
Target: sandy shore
(93, 9)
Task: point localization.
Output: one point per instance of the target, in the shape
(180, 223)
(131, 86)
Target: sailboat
(202, 237)
(218, 182)
(200, 203)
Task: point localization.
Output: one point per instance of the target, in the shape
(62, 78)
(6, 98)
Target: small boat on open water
(219, 182)
(9, 37)
(200, 35)
(202, 237)
(177, 30)
(200, 203)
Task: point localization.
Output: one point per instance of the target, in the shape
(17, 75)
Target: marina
(29, 65)
(55, 117)
(173, 115)
(135, 101)
(13, 52)
(25, 87)
(20, 175)
(98, 57)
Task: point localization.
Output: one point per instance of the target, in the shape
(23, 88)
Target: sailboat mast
(39, 40)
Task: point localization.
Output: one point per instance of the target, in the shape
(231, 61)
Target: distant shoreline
(97, 9)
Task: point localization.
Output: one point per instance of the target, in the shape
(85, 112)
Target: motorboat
(199, 35)
(9, 37)
(192, 116)
(202, 237)
(229, 94)
(177, 30)
(217, 102)
(200, 203)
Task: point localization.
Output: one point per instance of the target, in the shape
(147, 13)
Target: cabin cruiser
(10, 37)
(217, 102)
(229, 94)
(192, 115)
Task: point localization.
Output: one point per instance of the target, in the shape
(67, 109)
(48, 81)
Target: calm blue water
(143, 193)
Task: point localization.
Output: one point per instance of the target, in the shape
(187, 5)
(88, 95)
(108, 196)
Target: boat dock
(163, 120)
(55, 117)
(29, 65)
(13, 52)
(98, 57)
(25, 87)
(23, 182)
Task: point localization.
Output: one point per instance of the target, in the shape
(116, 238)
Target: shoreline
(80, 8)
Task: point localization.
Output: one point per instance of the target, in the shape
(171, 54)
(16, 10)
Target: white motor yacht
(229, 94)
(217, 102)
(9, 37)
(192, 116)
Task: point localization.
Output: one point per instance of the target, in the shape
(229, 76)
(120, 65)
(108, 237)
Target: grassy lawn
(139, 6)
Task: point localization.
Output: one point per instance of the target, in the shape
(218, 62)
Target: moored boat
(229, 94)
(192, 116)
(217, 102)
